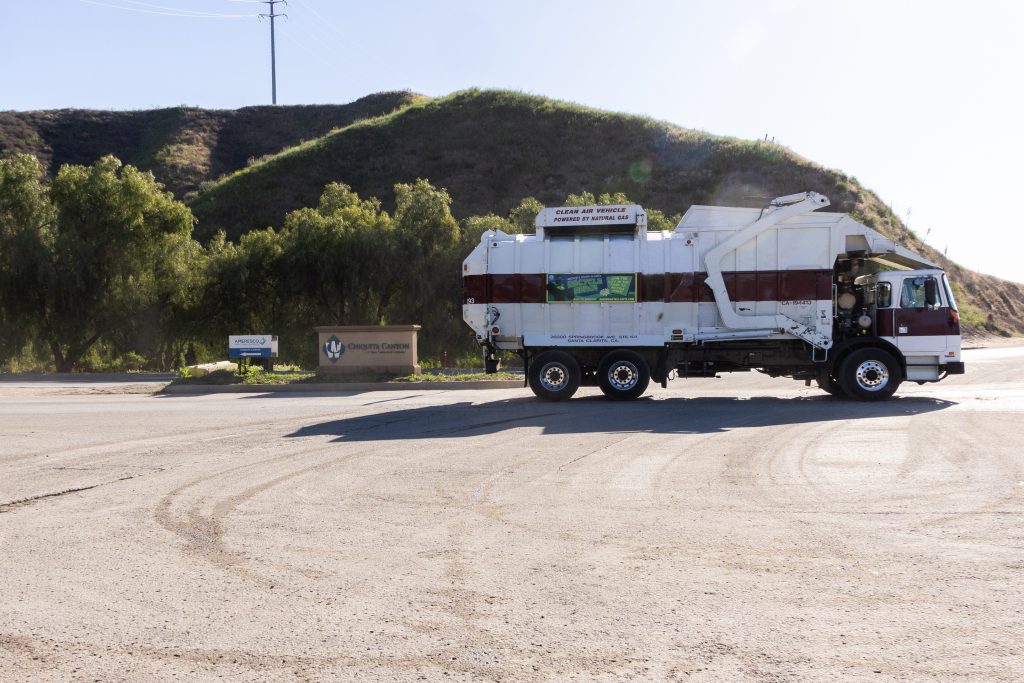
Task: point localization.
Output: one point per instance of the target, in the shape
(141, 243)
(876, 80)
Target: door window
(915, 293)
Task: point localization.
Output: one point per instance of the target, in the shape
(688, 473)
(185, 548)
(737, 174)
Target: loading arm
(779, 210)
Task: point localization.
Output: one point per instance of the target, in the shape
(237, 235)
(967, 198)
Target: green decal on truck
(591, 288)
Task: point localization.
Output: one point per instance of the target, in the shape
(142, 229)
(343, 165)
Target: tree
(229, 299)
(425, 275)
(475, 226)
(524, 216)
(26, 224)
(103, 255)
(338, 257)
(588, 199)
(657, 221)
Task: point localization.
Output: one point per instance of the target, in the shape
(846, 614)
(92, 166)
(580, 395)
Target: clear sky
(921, 101)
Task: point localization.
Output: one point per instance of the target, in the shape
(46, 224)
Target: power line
(172, 9)
(312, 37)
(171, 12)
(325, 21)
(325, 28)
(302, 46)
(162, 10)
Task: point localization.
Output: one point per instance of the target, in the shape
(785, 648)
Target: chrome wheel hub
(554, 377)
(872, 375)
(623, 376)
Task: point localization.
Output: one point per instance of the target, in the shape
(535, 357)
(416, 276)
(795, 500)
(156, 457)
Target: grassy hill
(488, 148)
(184, 146)
(491, 148)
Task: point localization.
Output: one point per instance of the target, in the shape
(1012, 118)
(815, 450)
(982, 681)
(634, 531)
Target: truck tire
(623, 375)
(829, 384)
(870, 375)
(554, 376)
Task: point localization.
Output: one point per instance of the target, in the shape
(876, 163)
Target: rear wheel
(554, 376)
(870, 375)
(623, 375)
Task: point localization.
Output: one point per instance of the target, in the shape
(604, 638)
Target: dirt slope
(183, 146)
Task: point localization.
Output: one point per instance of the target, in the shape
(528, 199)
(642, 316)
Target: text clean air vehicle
(594, 298)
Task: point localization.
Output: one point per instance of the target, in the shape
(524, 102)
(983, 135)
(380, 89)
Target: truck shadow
(667, 416)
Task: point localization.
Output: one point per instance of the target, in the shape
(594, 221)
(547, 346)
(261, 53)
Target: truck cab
(916, 312)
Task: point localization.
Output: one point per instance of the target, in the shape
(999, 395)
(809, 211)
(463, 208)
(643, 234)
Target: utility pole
(273, 14)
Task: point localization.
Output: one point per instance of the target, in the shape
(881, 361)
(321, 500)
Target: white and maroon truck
(594, 298)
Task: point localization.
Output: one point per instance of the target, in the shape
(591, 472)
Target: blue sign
(250, 353)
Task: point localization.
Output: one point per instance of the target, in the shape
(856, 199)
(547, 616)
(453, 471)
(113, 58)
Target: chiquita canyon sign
(368, 350)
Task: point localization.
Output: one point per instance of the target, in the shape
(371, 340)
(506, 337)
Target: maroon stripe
(920, 322)
(770, 285)
(474, 289)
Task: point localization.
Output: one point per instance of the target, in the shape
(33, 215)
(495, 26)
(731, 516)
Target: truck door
(926, 329)
(922, 319)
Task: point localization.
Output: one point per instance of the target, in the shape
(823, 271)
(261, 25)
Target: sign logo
(248, 341)
(334, 349)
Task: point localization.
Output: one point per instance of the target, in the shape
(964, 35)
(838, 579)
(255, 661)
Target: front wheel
(554, 376)
(623, 375)
(870, 375)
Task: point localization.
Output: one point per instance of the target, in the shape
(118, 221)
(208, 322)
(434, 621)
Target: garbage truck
(594, 298)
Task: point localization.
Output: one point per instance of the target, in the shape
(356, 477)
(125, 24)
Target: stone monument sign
(368, 350)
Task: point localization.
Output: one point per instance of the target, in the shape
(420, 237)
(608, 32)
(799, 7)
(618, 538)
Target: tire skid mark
(24, 502)
(99, 455)
(664, 494)
(481, 661)
(458, 601)
(481, 504)
(831, 539)
(599, 449)
(204, 533)
(131, 446)
(756, 473)
(978, 439)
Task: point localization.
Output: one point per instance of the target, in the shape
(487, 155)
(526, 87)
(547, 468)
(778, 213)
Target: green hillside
(184, 146)
(491, 148)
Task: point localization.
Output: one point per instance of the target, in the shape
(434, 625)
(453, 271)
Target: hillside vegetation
(184, 147)
(488, 149)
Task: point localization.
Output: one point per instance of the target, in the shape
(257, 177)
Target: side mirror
(931, 293)
(883, 296)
